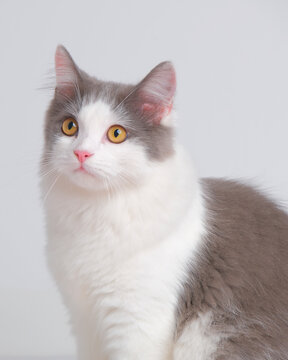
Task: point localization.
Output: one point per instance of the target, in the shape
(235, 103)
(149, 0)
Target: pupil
(70, 125)
(117, 132)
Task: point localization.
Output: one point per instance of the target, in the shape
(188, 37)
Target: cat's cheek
(104, 139)
(63, 152)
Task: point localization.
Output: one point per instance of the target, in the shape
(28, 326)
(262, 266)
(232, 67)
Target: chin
(87, 181)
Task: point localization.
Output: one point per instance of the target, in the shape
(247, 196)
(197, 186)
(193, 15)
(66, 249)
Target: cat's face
(106, 135)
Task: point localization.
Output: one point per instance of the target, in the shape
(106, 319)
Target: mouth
(81, 169)
(86, 171)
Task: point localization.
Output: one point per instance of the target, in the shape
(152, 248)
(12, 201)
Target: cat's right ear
(67, 72)
(153, 96)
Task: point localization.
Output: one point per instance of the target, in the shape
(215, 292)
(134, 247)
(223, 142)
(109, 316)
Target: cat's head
(100, 134)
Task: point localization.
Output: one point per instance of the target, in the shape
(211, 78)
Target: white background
(231, 59)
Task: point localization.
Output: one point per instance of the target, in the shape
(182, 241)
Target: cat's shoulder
(239, 198)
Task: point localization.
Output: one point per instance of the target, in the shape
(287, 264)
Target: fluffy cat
(151, 262)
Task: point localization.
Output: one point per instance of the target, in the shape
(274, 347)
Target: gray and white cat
(151, 262)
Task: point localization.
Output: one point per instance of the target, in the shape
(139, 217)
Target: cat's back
(240, 282)
(247, 243)
(245, 219)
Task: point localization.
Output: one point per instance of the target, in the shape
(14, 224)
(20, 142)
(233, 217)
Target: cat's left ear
(154, 95)
(67, 72)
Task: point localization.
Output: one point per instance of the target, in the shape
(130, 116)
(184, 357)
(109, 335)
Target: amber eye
(70, 127)
(116, 134)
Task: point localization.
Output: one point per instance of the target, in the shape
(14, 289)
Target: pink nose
(82, 155)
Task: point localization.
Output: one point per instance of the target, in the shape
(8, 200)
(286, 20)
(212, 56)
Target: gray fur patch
(242, 274)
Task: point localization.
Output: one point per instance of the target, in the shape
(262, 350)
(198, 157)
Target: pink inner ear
(158, 111)
(146, 107)
(169, 108)
(62, 64)
(59, 62)
(65, 72)
(156, 92)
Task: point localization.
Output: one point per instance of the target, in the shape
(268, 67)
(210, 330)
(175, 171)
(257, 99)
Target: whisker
(130, 93)
(49, 172)
(50, 188)
(107, 186)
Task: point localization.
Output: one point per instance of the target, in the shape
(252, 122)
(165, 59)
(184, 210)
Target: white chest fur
(119, 262)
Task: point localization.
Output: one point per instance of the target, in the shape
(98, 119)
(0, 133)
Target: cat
(152, 262)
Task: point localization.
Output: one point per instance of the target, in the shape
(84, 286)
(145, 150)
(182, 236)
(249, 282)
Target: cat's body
(151, 263)
(126, 274)
(242, 275)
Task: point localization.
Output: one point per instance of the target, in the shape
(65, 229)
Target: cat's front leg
(126, 336)
(139, 350)
(118, 335)
(88, 344)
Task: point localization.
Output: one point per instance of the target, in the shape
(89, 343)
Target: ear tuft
(67, 73)
(155, 93)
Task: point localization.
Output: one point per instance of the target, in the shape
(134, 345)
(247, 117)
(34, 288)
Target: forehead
(96, 113)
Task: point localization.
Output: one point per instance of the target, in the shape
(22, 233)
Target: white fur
(197, 340)
(119, 257)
